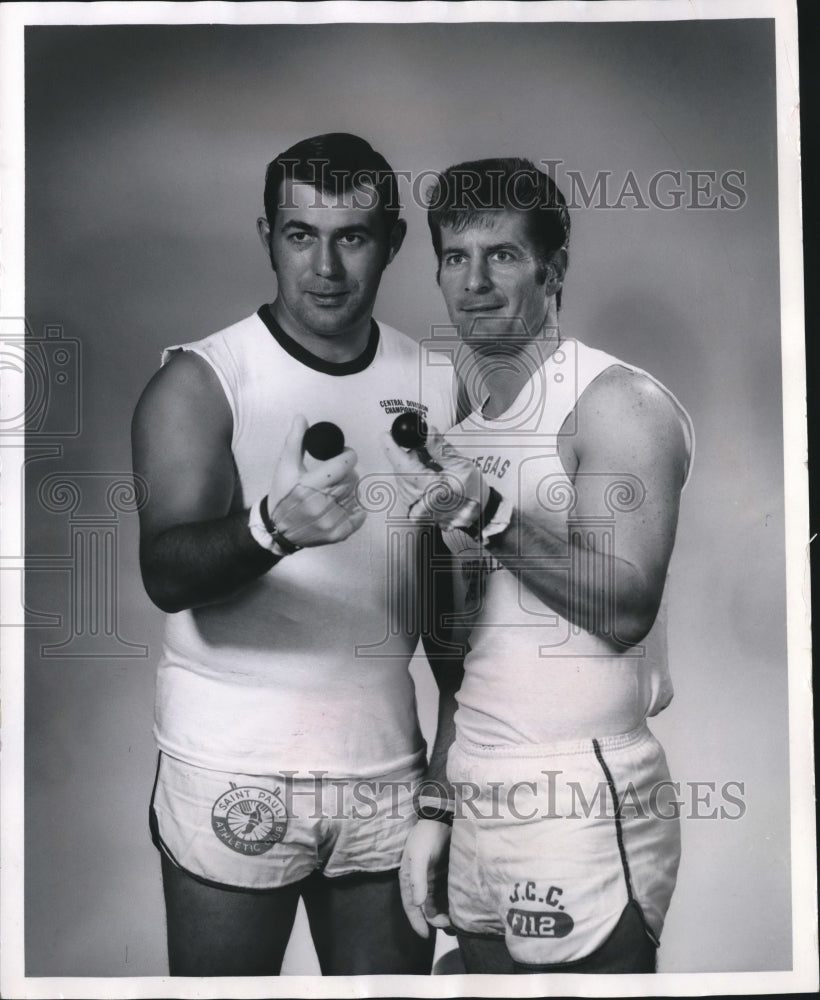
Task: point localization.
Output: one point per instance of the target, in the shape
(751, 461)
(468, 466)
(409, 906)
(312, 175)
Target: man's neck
(499, 378)
(346, 345)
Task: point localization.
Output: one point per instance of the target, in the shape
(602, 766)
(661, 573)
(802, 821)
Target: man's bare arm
(602, 563)
(193, 549)
(423, 871)
(627, 432)
(445, 644)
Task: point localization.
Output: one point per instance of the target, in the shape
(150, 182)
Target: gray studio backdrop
(145, 156)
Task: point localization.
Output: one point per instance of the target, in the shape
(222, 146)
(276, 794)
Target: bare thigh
(215, 931)
(359, 926)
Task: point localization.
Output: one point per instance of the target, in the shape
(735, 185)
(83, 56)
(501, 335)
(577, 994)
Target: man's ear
(555, 271)
(395, 240)
(263, 228)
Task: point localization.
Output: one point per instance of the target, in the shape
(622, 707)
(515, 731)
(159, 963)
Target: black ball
(324, 440)
(409, 430)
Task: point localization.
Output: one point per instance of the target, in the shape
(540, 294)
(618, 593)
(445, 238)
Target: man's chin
(495, 343)
(326, 322)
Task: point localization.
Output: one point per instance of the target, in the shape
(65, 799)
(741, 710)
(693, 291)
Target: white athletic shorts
(256, 831)
(550, 843)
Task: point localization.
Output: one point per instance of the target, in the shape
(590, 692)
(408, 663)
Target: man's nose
(478, 276)
(327, 262)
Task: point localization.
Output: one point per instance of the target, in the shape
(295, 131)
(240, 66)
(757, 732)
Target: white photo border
(13, 981)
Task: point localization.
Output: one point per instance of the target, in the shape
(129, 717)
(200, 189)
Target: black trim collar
(301, 354)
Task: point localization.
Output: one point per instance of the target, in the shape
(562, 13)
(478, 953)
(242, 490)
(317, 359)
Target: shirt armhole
(169, 352)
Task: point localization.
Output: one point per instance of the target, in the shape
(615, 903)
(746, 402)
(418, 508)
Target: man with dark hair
(564, 475)
(285, 615)
(336, 164)
(464, 196)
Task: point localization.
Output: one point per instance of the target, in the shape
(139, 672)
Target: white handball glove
(452, 498)
(423, 876)
(314, 506)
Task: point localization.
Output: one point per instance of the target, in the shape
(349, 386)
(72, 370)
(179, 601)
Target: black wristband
(286, 546)
(439, 813)
(270, 527)
(486, 515)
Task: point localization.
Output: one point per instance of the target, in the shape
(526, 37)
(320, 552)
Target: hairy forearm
(202, 562)
(574, 574)
(445, 644)
(449, 677)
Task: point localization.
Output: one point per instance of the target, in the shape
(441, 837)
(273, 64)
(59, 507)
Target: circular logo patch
(249, 820)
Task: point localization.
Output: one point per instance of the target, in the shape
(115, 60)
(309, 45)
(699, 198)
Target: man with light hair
(566, 467)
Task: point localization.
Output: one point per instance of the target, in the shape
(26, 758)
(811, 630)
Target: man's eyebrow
(504, 246)
(301, 226)
(356, 228)
(493, 248)
(305, 227)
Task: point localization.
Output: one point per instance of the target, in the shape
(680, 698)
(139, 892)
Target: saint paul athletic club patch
(249, 820)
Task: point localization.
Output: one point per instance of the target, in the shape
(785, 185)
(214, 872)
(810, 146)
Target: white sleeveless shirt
(532, 677)
(306, 668)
